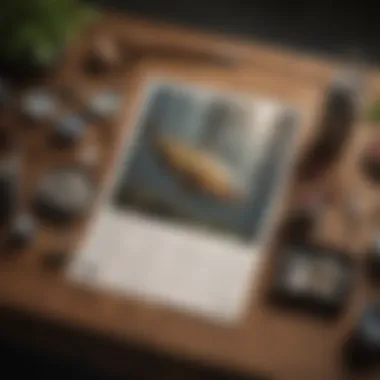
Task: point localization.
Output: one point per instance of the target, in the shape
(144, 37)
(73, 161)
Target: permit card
(186, 220)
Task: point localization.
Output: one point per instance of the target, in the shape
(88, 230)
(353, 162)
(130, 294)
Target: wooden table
(42, 307)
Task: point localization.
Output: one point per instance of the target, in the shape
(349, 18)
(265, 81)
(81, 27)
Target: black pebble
(69, 131)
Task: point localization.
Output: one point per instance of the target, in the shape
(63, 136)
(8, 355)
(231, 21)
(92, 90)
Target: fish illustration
(198, 168)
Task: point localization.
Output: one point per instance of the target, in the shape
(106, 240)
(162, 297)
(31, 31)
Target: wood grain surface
(282, 345)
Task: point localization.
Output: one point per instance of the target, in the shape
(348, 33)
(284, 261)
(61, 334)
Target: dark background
(329, 29)
(325, 29)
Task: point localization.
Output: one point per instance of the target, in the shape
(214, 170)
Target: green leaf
(374, 112)
(41, 27)
(46, 52)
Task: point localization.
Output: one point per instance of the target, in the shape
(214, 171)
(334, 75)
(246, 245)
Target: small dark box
(314, 279)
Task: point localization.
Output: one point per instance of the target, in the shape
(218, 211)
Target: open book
(196, 190)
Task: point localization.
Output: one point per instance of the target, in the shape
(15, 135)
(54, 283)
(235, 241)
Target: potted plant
(34, 33)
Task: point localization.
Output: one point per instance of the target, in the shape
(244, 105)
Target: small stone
(22, 232)
(69, 130)
(105, 104)
(64, 194)
(39, 105)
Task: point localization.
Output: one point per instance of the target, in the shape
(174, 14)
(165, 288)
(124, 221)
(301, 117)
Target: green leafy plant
(374, 112)
(38, 30)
